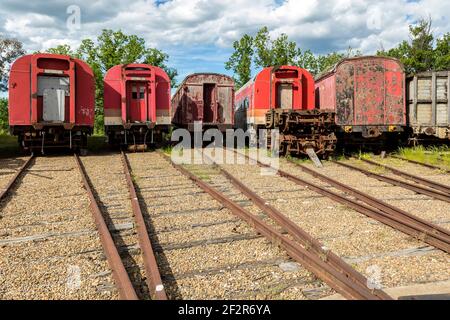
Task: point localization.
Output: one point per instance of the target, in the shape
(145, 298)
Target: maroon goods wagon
(368, 95)
(136, 105)
(206, 98)
(51, 101)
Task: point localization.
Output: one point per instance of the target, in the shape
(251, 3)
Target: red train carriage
(51, 101)
(368, 95)
(136, 104)
(206, 98)
(283, 98)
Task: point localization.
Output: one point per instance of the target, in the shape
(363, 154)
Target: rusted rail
(120, 275)
(426, 165)
(13, 180)
(425, 226)
(406, 185)
(309, 242)
(403, 224)
(419, 180)
(312, 261)
(154, 281)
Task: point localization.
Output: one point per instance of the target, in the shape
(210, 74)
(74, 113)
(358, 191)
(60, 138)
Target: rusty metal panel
(369, 91)
(345, 94)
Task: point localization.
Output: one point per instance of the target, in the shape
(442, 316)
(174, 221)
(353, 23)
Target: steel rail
(426, 165)
(404, 225)
(16, 176)
(309, 260)
(308, 241)
(406, 185)
(426, 226)
(120, 275)
(417, 179)
(153, 280)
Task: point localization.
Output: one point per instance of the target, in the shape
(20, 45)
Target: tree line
(421, 52)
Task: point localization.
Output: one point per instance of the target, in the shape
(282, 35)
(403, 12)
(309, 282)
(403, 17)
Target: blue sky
(198, 34)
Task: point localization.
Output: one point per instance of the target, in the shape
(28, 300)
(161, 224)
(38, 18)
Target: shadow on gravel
(168, 278)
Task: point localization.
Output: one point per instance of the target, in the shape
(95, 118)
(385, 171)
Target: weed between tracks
(433, 155)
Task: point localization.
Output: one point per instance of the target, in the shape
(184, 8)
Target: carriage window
(141, 93)
(134, 93)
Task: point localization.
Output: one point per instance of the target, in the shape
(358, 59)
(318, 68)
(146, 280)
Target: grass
(439, 156)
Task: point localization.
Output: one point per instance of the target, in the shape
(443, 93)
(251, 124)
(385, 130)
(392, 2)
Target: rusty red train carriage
(283, 97)
(368, 95)
(136, 104)
(206, 98)
(51, 101)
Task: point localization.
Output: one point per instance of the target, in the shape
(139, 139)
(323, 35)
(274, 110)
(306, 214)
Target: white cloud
(180, 25)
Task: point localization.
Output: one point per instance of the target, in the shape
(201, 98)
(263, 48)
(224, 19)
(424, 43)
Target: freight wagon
(206, 98)
(51, 102)
(136, 105)
(429, 105)
(283, 98)
(368, 96)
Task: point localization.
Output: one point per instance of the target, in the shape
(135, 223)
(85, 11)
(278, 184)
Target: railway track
(443, 196)
(419, 180)
(426, 165)
(376, 209)
(49, 247)
(203, 250)
(7, 188)
(311, 253)
(111, 247)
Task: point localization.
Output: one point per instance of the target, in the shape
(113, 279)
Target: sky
(198, 34)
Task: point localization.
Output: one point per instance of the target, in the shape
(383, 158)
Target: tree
(442, 53)
(10, 50)
(158, 58)
(241, 60)
(113, 48)
(64, 49)
(3, 115)
(266, 52)
(422, 52)
(276, 52)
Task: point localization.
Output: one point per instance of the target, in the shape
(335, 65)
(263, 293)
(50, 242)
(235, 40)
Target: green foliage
(276, 52)
(438, 156)
(158, 58)
(64, 49)
(442, 53)
(420, 53)
(3, 116)
(263, 52)
(241, 60)
(10, 50)
(112, 48)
